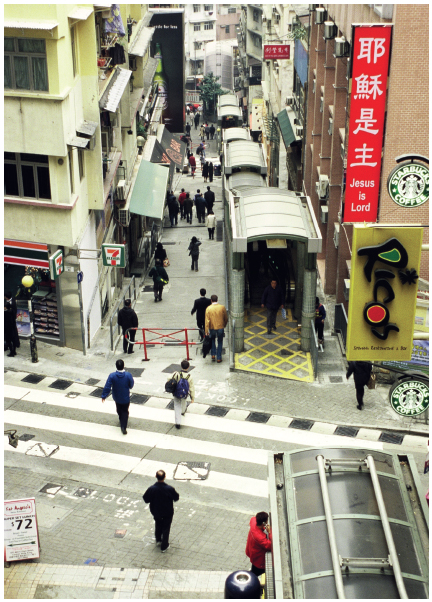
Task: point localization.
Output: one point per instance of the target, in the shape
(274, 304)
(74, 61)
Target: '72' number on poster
(20, 522)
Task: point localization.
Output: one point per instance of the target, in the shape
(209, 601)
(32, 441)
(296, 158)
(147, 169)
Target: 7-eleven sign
(56, 263)
(113, 255)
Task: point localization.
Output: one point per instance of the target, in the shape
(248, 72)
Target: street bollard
(242, 585)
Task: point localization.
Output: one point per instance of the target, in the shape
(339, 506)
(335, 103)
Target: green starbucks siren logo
(410, 397)
(408, 184)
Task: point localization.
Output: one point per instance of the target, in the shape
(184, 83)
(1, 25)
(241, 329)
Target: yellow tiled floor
(277, 354)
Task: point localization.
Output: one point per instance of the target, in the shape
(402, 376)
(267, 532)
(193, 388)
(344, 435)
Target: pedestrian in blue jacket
(120, 383)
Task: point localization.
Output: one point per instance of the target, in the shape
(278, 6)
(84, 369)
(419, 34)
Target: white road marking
(137, 437)
(204, 422)
(147, 468)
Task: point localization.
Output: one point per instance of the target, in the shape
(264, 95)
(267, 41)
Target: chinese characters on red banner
(276, 51)
(371, 55)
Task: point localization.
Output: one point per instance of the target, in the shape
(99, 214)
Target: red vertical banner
(371, 55)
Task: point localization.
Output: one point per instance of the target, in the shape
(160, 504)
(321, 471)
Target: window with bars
(227, 28)
(197, 26)
(196, 8)
(208, 26)
(26, 176)
(25, 64)
(232, 10)
(208, 7)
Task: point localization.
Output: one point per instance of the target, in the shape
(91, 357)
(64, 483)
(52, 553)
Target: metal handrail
(173, 341)
(386, 528)
(330, 529)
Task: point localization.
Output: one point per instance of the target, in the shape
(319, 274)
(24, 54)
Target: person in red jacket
(258, 542)
(192, 163)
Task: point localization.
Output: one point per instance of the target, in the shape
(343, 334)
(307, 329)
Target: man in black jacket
(200, 204)
(173, 209)
(200, 307)
(210, 199)
(160, 278)
(273, 299)
(362, 373)
(127, 318)
(161, 496)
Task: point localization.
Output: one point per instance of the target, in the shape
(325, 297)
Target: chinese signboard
(408, 184)
(56, 263)
(276, 51)
(21, 537)
(371, 54)
(383, 294)
(113, 255)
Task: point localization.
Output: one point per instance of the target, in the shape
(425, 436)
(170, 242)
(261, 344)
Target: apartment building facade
(78, 79)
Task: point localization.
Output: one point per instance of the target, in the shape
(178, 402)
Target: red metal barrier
(170, 335)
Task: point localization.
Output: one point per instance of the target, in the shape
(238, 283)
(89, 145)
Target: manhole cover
(304, 425)
(26, 437)
(83, 492)
(335, 379)
(148, 288)
(97, 392)
(120, 533)
(51, 488)
(92, 381)
(192, 471)
(42, 450)
(60, 384)
(216, 411)
(34, 379)
(391, 438)
(170, 406)
(73, 394)
(258, 417)
(346, 431)
(137, 398)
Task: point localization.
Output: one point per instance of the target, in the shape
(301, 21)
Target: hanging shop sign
(113, 255)
(276, 52)
(21, 536)
(383, 293)
(371, 54)
(56, 264)
(408, 184)
(410, 397)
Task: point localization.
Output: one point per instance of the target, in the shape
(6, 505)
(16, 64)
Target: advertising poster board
(23, 320)
(21, 536)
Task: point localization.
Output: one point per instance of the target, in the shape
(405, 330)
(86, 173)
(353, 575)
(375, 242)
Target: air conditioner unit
(207, 13)
(330, 130)
(320, 15)
(121, 190)
(323, 192)
(336, 234)
(132, 63)
(313, 86)
(322, 104)
(299, 131)
(289, 101)
(329, 30)
(346, 288)
(324, 213)
(124, 217)
(341, 48)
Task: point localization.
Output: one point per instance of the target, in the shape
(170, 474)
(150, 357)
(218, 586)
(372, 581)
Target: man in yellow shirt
(216, 318)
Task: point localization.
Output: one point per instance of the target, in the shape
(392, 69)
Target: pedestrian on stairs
(161, 496)
(272, 299)
(181, 404)
(120, 383)
(194, 252)
(160, 278)
(126, 319)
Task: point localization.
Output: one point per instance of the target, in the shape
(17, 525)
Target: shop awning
(286, 128)
(23, 24)
(80, 13)
(78, 142)
(142, 40)
(149, 192)
(19, 252)
(112, 96)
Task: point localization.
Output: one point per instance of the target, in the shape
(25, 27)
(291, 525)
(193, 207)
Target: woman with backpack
(160, 278)
(194, 252)
(184, 387)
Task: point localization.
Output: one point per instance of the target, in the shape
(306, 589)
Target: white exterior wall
(192, 36)
(89, 267)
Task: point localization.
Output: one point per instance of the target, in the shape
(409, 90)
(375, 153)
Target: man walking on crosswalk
(120, 383)
(161, 496)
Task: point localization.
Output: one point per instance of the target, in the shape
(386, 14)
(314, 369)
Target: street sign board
(113, 255)
(56, 263)
(21, 537)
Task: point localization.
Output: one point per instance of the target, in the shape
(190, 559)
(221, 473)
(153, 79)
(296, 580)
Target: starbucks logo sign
(410, 397)
(408, 184)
